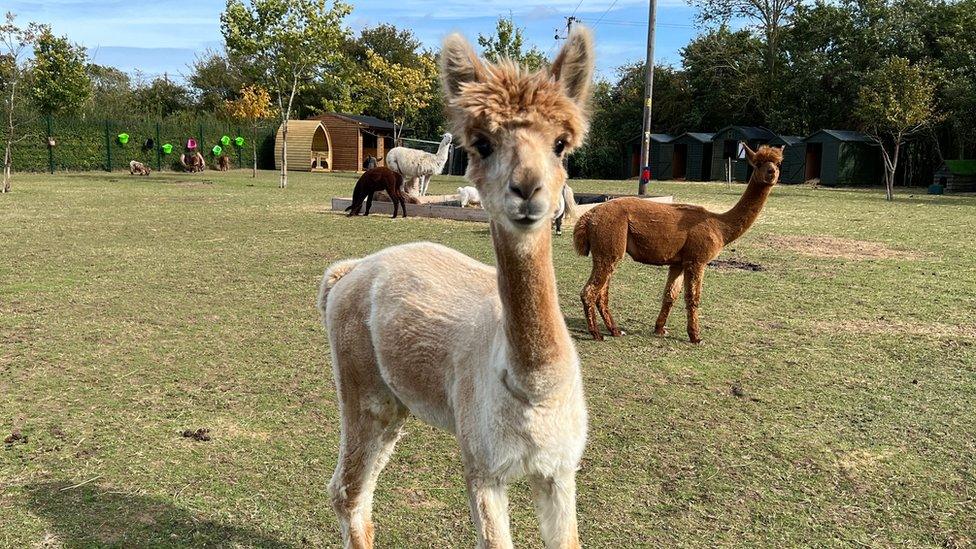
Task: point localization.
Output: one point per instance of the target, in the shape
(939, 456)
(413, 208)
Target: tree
(59, 81)
(403, 90)
(772, 17)
(161, 97)
(112, 95)
(14, 41)
(253, 105)
(507, 42)
(721, 68)
(896, 101)
(285, 41)
(395, 45)
(216, 81)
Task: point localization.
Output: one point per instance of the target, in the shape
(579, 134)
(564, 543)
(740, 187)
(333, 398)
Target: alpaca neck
(737, 221)
(539, 345)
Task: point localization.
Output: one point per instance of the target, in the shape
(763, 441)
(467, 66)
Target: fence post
(50, 149)
(108, 147)
(159, 148)
(240, 161)
(202, 148)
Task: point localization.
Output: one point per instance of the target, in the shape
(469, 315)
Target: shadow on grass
(90, 516)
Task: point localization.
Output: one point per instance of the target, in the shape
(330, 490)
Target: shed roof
(750, 132)
(961, 167)
(845, 135)
(364, 120)
(698, 136)
(787, 140)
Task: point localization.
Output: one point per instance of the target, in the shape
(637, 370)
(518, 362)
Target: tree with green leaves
(59, 80)
(508, 43)
(216, 80)
(403, 91)
(14, 43)
(253, 105)
(111, 95)
(896, 101)
(161, 97)
(285, 42)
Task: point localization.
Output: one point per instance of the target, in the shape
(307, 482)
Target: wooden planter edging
(435, 206)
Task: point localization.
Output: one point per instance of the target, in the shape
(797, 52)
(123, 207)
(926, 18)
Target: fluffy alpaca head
(518, 125)
(766, 162)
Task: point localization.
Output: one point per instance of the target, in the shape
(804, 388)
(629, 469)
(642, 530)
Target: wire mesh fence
(85, 144)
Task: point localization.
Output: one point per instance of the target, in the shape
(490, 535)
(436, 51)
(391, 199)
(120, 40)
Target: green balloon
(217, 150)
(239, 141)
(225, 140)
(167, 148)
(123, 138)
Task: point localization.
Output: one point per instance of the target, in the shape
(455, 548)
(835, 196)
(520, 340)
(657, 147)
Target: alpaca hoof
(660, 332)
(558, 233)
(616, 333)
(696, 341)
(597, 337)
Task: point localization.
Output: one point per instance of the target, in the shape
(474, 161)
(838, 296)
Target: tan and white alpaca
(483, 353)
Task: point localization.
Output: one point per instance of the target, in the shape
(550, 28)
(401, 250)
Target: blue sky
(164, 36)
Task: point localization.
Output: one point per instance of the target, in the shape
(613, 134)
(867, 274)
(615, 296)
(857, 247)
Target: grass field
(832, 404)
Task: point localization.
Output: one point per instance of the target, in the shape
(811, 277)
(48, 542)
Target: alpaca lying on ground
(223, 163)
(193, 162)
(374, 180)
(418, 167)
(682, 236)
(469, 195)
(136, 167)
(481, 352)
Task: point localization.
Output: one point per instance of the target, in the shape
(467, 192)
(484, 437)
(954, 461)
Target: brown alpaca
(682, 236)
(223, 163)
(373, 180)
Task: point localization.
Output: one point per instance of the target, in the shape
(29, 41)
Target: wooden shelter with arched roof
(309, 146)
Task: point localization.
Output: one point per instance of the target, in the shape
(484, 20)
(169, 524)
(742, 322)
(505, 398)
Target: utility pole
(569, 27)
(645, 169)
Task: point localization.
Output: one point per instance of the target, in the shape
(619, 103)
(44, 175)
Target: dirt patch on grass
(886, 326)
(200, 435)
(839, 248)
(735, 264)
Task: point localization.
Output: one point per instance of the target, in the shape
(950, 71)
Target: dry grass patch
(838, 248)
(886, 326)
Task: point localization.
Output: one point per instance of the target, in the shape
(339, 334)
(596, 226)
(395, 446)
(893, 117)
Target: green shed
(957, 176)
(725, 147)
(843, 158)
(793, 169)
(660, 155)
(692, 156)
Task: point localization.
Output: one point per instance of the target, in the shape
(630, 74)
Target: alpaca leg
(588, 295)
(555, 504)
(403, 205)
(603, 305)
(694, 274)
(602, 294)
(671, 290)
(369, 202)
(489, 512)
(396, 204)
(368, 439)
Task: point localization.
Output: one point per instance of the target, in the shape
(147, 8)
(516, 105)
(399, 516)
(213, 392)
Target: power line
(577, 8)
(638, 23)
(614, 3)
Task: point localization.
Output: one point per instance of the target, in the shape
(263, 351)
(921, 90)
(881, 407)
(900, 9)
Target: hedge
(86, 144)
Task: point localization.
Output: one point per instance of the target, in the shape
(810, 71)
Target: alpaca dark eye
(483, 146)
(559, 147)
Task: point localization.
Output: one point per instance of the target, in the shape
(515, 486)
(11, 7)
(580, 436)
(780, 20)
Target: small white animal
(469, 195)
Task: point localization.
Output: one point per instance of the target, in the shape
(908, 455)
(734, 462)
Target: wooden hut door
(814, 160)
(679, 165)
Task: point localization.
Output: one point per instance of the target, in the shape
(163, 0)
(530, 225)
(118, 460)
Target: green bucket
(123, 138)
(217, 150)
(239, 141)
(225, 140)
(167, 148)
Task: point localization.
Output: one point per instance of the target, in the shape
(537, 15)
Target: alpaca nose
(525, 190)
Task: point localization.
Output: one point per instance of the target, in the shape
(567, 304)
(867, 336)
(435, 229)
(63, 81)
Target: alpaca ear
(750, 154)
(573, 67)
(459, 65)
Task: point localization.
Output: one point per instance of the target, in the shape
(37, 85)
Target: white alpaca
(418, 167)
(469, 195)
(481, 352)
